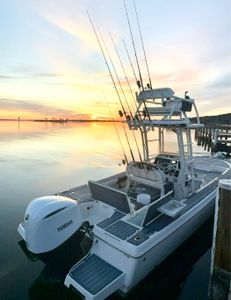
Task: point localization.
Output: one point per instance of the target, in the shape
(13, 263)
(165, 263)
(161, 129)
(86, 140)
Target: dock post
(220, 280)
(203, 137)
(210, 139)
(215, 137)
(196, 134)
(199, 138)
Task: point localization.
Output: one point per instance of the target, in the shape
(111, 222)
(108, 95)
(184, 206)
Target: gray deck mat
(121, 230)
(94, 274)
(115, 217)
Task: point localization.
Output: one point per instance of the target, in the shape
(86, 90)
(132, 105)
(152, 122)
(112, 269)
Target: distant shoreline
(217, 119)
(57, 121)
(78, 121)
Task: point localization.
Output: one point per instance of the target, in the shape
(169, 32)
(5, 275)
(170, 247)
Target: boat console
(168, 163)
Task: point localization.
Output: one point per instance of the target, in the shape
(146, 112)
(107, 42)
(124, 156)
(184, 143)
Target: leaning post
(220, 280)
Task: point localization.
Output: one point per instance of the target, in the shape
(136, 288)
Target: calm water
(44, 158)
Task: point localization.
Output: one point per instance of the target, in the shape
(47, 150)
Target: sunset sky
(51, 65)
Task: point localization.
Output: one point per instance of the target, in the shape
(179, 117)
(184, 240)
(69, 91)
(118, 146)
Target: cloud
(46, 75)
(81, 116)
(71, 19)
(221, 82)
(26, 71)
(74, 25)
(36, 108)
(6, 77)
(31, 75)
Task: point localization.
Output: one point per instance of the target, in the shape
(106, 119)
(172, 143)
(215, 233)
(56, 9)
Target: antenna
(142, 42)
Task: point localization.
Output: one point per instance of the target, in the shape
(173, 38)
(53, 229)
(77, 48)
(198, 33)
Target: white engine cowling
(49, 221)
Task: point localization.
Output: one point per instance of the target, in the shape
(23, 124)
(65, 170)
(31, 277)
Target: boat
(137, 218)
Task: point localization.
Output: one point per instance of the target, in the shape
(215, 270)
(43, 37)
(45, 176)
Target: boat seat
(171, 107)
(110, 196)
(121, 180)
(161, 111)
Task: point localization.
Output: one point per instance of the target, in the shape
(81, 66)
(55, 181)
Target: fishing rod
(127, 116)
(137, 146)
(109, 56)
(134, 73)
(128, 142)
(129, 58)
(106, 62)
(112, 78)
(125, 74)
(138, 149)
(117, 77)
(118, 135)
(139, 83)
(142, 42)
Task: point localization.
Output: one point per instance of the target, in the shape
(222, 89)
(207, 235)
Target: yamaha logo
(65, 225)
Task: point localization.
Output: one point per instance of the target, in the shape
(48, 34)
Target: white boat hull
(136, 268)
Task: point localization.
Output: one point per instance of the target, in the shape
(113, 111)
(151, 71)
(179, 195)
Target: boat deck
(156, 221)
(118, 226)
(83, 193)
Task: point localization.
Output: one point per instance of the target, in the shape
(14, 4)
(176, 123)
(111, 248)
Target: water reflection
(45, 158)
(165, 282)
(75, 138)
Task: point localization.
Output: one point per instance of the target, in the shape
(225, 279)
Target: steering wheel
(164, 167)
(167, 167)
(172, 168)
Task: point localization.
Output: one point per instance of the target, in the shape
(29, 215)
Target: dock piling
(220, 280)
(214, 138)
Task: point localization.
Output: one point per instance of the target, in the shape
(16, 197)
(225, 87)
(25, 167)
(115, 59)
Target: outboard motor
(49, 221)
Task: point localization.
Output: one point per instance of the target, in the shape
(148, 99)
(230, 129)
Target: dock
(214, 138)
